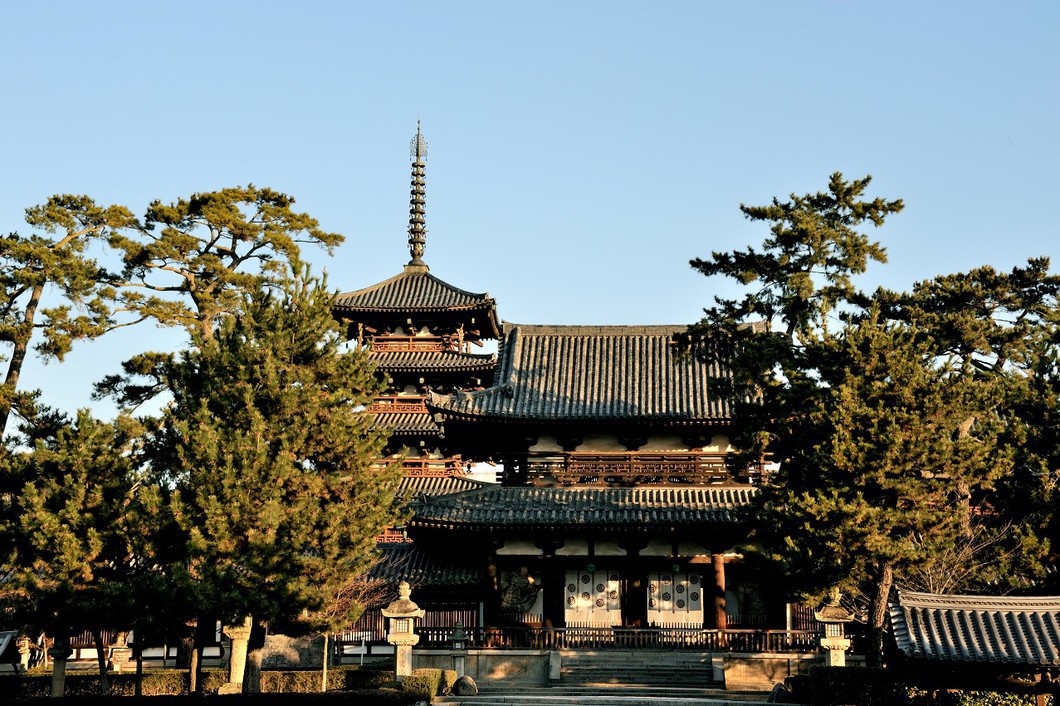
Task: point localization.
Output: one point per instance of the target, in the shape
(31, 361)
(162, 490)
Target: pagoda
(420, 330)
(615, 507)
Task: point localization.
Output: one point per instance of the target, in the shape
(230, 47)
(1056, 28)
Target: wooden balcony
(393, 404)
(632, 468)
(410, 343)
(603, 637)
(432, 467)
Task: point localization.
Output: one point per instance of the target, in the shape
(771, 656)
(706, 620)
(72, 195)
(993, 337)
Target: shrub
(426, 683)
(449, 677)
(859, 686)
(990, 698)
(355, 677)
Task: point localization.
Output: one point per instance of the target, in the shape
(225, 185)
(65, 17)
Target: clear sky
(580, 152)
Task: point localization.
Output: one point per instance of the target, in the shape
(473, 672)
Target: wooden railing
(591, 637)
(409, 343)
(631, 468)
(433, 467)
(396, 403)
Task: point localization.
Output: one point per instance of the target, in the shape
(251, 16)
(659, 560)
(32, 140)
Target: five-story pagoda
(420, 330)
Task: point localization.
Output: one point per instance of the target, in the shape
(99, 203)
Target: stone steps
(627, 695)
(664, 669)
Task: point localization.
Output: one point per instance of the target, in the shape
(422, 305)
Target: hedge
(855, 686)
(386, 697)
(428, 683)
(174, 682)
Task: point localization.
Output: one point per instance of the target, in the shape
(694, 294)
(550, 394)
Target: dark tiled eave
(1023, 631)
(407, 562)
(644, 508)
(416, 291)
(415, 487)
(433, 361)
(612, 373)
(406, 423)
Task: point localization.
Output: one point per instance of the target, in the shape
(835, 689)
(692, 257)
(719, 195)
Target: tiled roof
(411, 291)
(406, 423)
(993, 629)
(407, 562)
(413, 361)
(413, 487)
(506, 507)
(593, 372)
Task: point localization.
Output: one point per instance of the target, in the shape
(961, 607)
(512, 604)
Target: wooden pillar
(720, 618)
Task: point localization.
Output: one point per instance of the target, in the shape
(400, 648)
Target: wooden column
(720, 618)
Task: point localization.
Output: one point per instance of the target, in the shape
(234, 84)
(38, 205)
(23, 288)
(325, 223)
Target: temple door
(635, 601)
(593, 598)
(675, 598)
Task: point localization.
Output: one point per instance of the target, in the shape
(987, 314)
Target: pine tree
(272, 456)
(193, 259)
(52, 269)
(889, 449)
(69, 510)
(884, 439)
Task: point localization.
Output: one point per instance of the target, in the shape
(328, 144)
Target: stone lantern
(459, 640)
(402, 614)
(834, 642)
(23, 644)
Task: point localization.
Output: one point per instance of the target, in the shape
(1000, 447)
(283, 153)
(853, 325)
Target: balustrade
(394, 403)
(410, 343)
(631, 468)
(602, 637)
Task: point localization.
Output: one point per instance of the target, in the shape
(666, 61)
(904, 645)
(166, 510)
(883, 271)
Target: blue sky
(580, 153)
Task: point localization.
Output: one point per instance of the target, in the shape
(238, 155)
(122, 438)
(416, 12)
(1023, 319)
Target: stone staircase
(618, 678)
(613, 695)
(644, 668)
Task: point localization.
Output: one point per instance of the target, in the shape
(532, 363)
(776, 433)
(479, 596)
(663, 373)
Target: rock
(465, 686)
(230, 688)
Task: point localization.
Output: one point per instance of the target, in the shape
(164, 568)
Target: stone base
(230, 688)
(283, 652)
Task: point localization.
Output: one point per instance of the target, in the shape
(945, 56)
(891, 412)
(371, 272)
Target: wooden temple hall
(607, 509)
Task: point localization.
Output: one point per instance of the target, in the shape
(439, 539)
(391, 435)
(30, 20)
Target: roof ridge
(594, 329)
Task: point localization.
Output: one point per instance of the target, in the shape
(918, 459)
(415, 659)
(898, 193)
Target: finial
(418, 145)
(418, 202)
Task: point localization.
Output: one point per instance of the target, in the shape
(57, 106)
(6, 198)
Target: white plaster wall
(719, 443)
(657, 547)
(664, 443)
(547, 444)
(691, 549)
(574, 547)
(519, 547)
(608, 549)
(601, 443)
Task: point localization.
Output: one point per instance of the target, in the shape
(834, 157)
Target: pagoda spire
(418, 202)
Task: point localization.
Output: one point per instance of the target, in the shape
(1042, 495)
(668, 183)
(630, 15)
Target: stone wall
(283, 652)
(526, 667)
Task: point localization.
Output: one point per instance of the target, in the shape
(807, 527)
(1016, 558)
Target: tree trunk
(324, 666)
(59, 653)
(255, 651)
(139, 649)
(18, 357)
(101, 661)
(878, 616)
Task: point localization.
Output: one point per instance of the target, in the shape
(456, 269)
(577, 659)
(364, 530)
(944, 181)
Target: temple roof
(992, 629)
(414, 289)
(416, 486)
(592, 372)
(499, 507)
(406, 423)
(445, 361)
(407, 562)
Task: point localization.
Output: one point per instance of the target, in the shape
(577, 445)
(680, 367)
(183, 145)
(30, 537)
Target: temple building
(613, 507)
